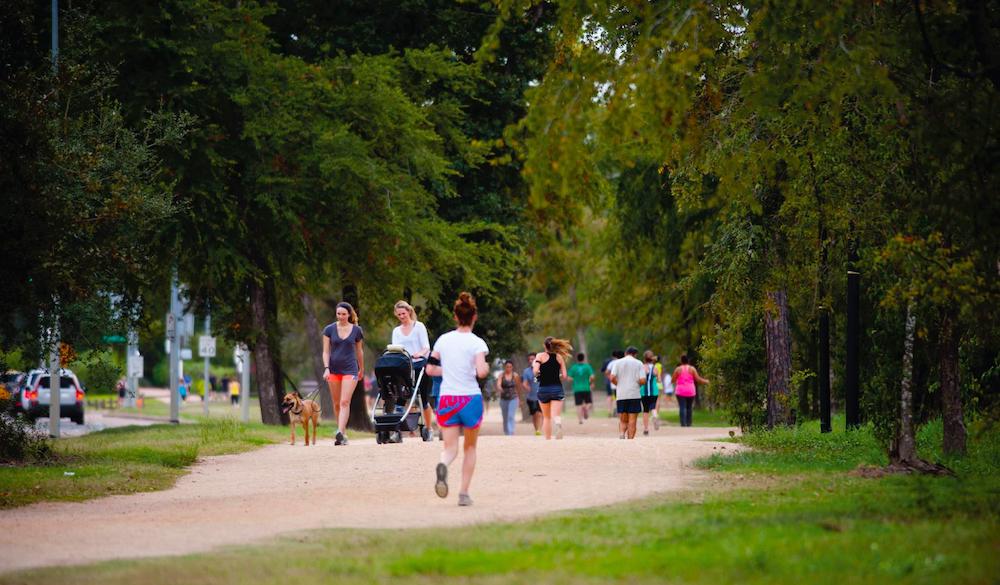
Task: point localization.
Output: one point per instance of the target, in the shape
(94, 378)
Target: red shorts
(341, 377)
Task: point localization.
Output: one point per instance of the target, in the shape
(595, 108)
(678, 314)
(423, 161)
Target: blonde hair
(409, 309)
(559, 346)
(648, 356)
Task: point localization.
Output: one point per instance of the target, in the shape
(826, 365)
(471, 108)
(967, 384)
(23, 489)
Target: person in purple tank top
(685, 376)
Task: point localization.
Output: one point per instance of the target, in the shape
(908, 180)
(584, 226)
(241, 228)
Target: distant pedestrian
(685, 376)
(582, 375)
(530, 385)
(628, 375)
(234, 392)
(650, 392)
(608, 384)
(507, 383)
(344, 361)
(667, 395)
(459, 357)
(550, 369)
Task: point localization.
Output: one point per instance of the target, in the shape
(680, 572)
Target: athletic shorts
(630, 406)
(648, 403)
(460, 411)
(581, 398)
(547, 394)
(331, 377)
(533, 407)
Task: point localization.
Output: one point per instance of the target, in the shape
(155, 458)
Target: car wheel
(78, 418)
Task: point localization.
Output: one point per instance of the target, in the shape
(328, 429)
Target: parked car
(34, 399)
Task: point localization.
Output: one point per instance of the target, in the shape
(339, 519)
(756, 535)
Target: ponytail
(559, 346)
(465, 309)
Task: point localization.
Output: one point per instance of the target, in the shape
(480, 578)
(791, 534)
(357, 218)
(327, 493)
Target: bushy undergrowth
(20, 442)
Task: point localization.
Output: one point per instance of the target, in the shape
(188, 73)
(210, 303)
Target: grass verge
(789, 512)
(126, 460)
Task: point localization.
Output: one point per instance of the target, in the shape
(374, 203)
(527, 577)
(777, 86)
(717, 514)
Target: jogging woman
(459, 357)
(550, 369)
(650, 391)
(507, 383)
(344, 356)
(685, 377)
(412, 335)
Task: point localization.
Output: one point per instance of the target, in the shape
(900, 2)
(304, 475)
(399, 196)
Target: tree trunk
(905, 448)
(903, 451)
(779, 360)
(581, 340)
(314, 335)
(951, 392)
(358, 421)
(267, 352)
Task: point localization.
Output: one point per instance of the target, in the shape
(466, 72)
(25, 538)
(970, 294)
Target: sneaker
(464, 500)
(441, 485)
(645, 432)
(656, 424)
(538, 433)
(622, 436)
(559, 434)
(340, 439)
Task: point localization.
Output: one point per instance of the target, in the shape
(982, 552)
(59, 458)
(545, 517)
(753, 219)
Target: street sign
(171, 325)
(113, 339)
(135, 366)
(206, 346)
(186, 353)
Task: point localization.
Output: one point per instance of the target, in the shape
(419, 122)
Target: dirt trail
(233, 499)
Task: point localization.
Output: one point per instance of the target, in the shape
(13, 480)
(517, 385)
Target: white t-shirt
(630, 374)
(611, 366)
(415, 341)
(458, 362)
(668, 384)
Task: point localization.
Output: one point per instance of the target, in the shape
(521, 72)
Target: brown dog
(301, 412)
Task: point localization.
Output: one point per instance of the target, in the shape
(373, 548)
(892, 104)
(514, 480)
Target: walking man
(628, 374)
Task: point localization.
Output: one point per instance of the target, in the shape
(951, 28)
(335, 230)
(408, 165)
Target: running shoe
(656, 423)
(464, 500)
(622, 436)
(645, 432)
(559, 434)
(441, 485)
(340, 439)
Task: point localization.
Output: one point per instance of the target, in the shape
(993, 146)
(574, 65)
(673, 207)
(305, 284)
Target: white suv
(36, 394)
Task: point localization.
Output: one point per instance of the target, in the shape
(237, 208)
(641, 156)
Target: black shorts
(630, 406)
(581, 398)
(424, 388)
(533, 407)
(649, 403)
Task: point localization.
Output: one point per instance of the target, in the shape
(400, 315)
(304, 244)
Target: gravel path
(238, 499)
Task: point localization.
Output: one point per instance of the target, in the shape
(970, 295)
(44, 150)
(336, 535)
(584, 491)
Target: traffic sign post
(134, 368)
(55, 382)
(173, 339)
(244, 383)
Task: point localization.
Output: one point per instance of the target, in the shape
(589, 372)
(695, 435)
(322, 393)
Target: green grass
(700, 417)
(788, 513)
(126, 460)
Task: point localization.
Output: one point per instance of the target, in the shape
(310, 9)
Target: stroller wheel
(380, 437)
(395, 437)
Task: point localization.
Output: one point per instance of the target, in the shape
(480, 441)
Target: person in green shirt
(583, 376)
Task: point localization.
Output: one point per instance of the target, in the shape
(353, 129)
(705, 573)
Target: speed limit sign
(206, 346)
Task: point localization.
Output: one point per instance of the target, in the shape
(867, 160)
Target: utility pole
(852, 373)
(55, 378)
(175, 350)
(132, 374)
(206, 391)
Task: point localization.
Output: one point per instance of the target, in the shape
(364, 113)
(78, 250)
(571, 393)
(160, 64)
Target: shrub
(20, 442)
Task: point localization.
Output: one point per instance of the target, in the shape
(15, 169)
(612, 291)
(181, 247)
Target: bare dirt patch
(238, 499)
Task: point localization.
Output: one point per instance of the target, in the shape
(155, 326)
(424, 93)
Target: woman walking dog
(459, 357)
(344, 357)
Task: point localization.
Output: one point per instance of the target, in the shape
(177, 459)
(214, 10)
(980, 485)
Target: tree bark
(314, 334)
(358, 421)
(581, 340)
(905, 448)
(779, 360)
(951, 392)
(267, 352)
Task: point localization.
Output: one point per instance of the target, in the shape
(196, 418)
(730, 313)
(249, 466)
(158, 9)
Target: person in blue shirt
(530, 385)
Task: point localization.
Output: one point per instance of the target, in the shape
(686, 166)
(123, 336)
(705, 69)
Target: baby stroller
(398, 399)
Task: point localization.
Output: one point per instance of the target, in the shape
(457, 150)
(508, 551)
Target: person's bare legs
(468, 458)
(622, 423)
(632, 419)
(347, 386)
(537, 420)
(547, 419)
(555, 407)
(334, 387)
(645, 422)
(450, 451)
